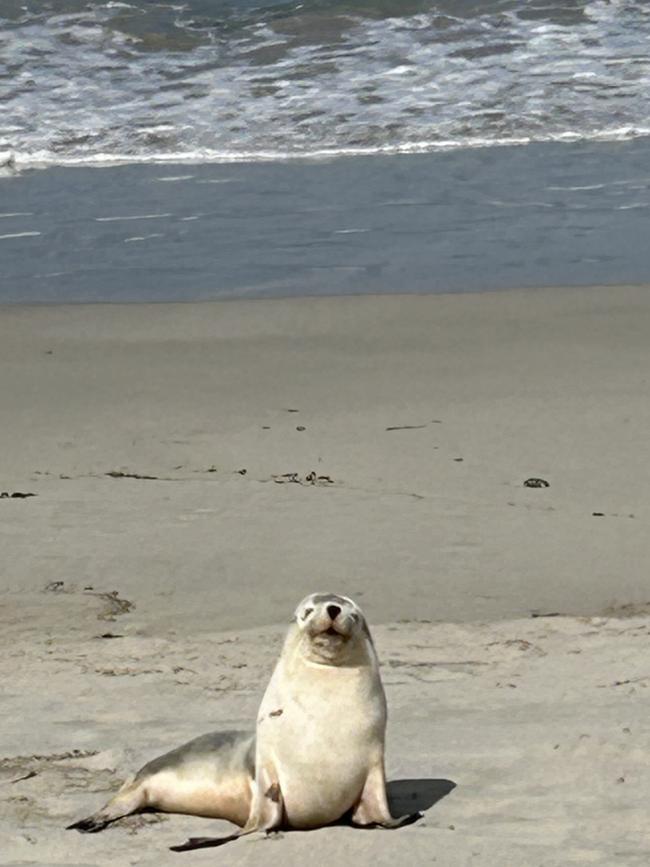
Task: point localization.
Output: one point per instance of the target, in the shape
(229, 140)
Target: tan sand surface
(422, 417)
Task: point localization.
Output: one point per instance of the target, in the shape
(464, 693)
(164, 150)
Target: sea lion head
(332, 628)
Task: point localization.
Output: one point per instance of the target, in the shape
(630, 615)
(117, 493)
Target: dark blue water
(467, 220)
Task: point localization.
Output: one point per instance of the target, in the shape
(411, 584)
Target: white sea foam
(633, 206)
(172, 178)
(19, 235)
(131, 217)
(577, 188)
(143, 237)
(43, 159)
(313, 83)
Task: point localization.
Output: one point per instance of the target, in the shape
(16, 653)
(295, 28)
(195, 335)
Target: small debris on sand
(118, 474)
(26, 776)
(536, 483)
(114, 605)
(312, 478)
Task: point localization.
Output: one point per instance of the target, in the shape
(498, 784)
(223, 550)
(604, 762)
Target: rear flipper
(204, 842)
(130, 799)
(89, 825)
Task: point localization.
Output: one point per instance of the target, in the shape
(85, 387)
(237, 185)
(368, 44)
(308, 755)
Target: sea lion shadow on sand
(416, 796)
(412, 797)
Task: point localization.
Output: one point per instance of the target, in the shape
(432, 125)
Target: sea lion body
(329, 733)
(317, 753)
(320, 728)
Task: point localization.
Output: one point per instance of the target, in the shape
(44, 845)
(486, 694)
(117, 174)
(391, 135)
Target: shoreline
(181, 302)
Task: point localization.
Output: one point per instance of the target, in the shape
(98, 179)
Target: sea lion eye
(306, 613)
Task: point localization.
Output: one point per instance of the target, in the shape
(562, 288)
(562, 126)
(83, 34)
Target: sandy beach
(198, 468)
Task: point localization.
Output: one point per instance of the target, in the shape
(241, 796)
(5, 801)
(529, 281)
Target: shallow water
(468, 220)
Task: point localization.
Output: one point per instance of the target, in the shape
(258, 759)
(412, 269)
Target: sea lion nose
(333, 611)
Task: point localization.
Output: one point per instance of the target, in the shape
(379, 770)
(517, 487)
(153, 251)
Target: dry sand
(422, 416)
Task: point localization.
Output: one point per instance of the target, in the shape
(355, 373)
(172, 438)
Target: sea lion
(318, 750)
(321, 728)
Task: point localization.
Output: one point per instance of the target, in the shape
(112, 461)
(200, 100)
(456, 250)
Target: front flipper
(372, 810)
(267, 812)
(389, 824)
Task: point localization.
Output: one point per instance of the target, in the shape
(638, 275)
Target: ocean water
(218, 80)
(226, 148)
